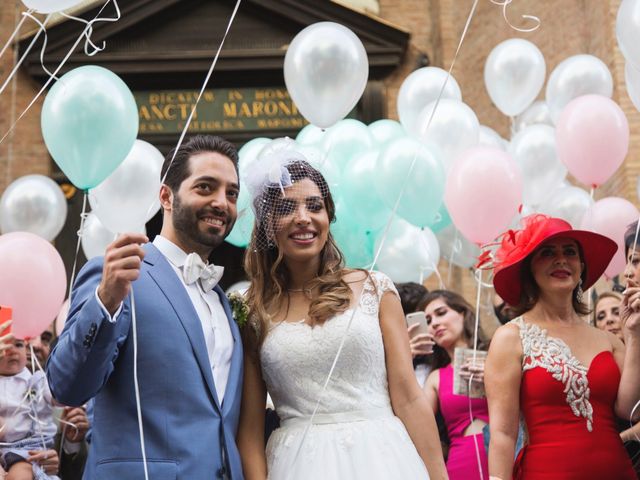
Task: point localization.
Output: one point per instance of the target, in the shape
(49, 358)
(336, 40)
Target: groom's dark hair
(200, 143)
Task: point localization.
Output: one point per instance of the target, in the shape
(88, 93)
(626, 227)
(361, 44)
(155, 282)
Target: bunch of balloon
(29, 260)
(33, 203)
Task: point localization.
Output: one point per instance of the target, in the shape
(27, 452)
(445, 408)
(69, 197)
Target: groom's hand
(122, 262)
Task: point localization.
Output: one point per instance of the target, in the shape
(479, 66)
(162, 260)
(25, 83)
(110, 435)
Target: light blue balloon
(346, 139)
(384, 131)
(89, 123)
(422, 188)
(355, 243)
(365, 204)
(310, 135)
(442, 220)
(241, 233)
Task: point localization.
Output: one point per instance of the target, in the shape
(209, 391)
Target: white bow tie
(195, 269)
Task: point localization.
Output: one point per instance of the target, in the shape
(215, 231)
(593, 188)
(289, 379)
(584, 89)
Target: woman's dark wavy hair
(267, 272)
(440, 358)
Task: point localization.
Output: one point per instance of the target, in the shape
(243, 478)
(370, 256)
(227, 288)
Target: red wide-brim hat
(516, 246)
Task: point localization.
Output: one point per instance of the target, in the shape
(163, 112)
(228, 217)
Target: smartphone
(419, 318)
(5, 314)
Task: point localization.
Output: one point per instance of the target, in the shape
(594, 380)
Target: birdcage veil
(277, 188)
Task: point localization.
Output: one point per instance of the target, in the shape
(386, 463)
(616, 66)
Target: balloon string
(88, 31)
(50, 79)
(136, 386)
(195, 105)
(14, 89)
(83, 217)
(379, 249)
(475, 436)
(454, 247)
(15, 32)
(44, 45)
(28, 49)
(505, 4)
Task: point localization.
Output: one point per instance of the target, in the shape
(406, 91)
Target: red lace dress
(568, 411)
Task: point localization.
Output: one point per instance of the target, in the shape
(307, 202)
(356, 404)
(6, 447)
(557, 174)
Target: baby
(26, 415)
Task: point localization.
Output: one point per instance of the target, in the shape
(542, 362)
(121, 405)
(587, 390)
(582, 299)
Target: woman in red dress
(567, 378)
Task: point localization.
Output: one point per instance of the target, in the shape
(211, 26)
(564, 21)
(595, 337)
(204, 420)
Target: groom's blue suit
(188, 434)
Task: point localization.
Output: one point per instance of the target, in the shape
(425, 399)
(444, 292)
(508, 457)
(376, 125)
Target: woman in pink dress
(451, 322)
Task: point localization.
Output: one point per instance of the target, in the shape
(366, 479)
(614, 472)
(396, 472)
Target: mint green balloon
(89, 123)
(355, 243)
(442, 220)
(241, 233)
(384, 131)
(346, 139)
(422, 188)
(365, 204)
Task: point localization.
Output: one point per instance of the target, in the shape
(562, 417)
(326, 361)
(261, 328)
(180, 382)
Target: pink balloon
(592, 136)
(61, 319)
(33, 282)
(611, 216)
(483, 193)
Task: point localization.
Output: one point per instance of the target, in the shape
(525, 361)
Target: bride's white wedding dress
(355, 434)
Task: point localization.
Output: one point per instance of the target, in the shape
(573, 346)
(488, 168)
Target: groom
(189, 352)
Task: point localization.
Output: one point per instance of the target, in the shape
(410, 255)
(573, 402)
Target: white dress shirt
(215, 325)
(24, 418)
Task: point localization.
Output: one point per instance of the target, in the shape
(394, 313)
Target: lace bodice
(554, 355)
(296, 359)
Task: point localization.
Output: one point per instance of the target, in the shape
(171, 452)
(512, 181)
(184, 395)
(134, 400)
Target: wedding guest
(451, 320)
(565, 377)
(606, 316)
(26, 417)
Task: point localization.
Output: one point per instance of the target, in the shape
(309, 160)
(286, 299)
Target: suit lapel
(166, 279)
(235, 369)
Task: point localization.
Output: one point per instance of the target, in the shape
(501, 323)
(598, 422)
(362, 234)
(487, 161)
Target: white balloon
(95, 237)
(129, 197)
(576, 76)
(249, 153)
(491, 138)
(409, 254)
(628, 30)
(325, 71)
(454, 128)
(569, 203)
(456, 249)
(632, 79)
(50, 6)
(514, 74)
(421, 88)
(33, 203)
(534, 150)
(537, 113)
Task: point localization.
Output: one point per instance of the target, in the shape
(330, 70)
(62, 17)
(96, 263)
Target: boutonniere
(239, 308)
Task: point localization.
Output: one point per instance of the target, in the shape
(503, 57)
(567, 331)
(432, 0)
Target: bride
(372, 419)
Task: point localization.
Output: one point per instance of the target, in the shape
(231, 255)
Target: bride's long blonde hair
(268, 273)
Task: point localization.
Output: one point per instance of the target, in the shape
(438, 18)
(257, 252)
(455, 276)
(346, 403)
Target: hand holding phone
(420, 340)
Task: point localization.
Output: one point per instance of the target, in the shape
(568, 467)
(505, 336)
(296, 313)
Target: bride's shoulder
(369, 280)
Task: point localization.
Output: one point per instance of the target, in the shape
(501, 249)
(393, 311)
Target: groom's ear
(166, 198)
